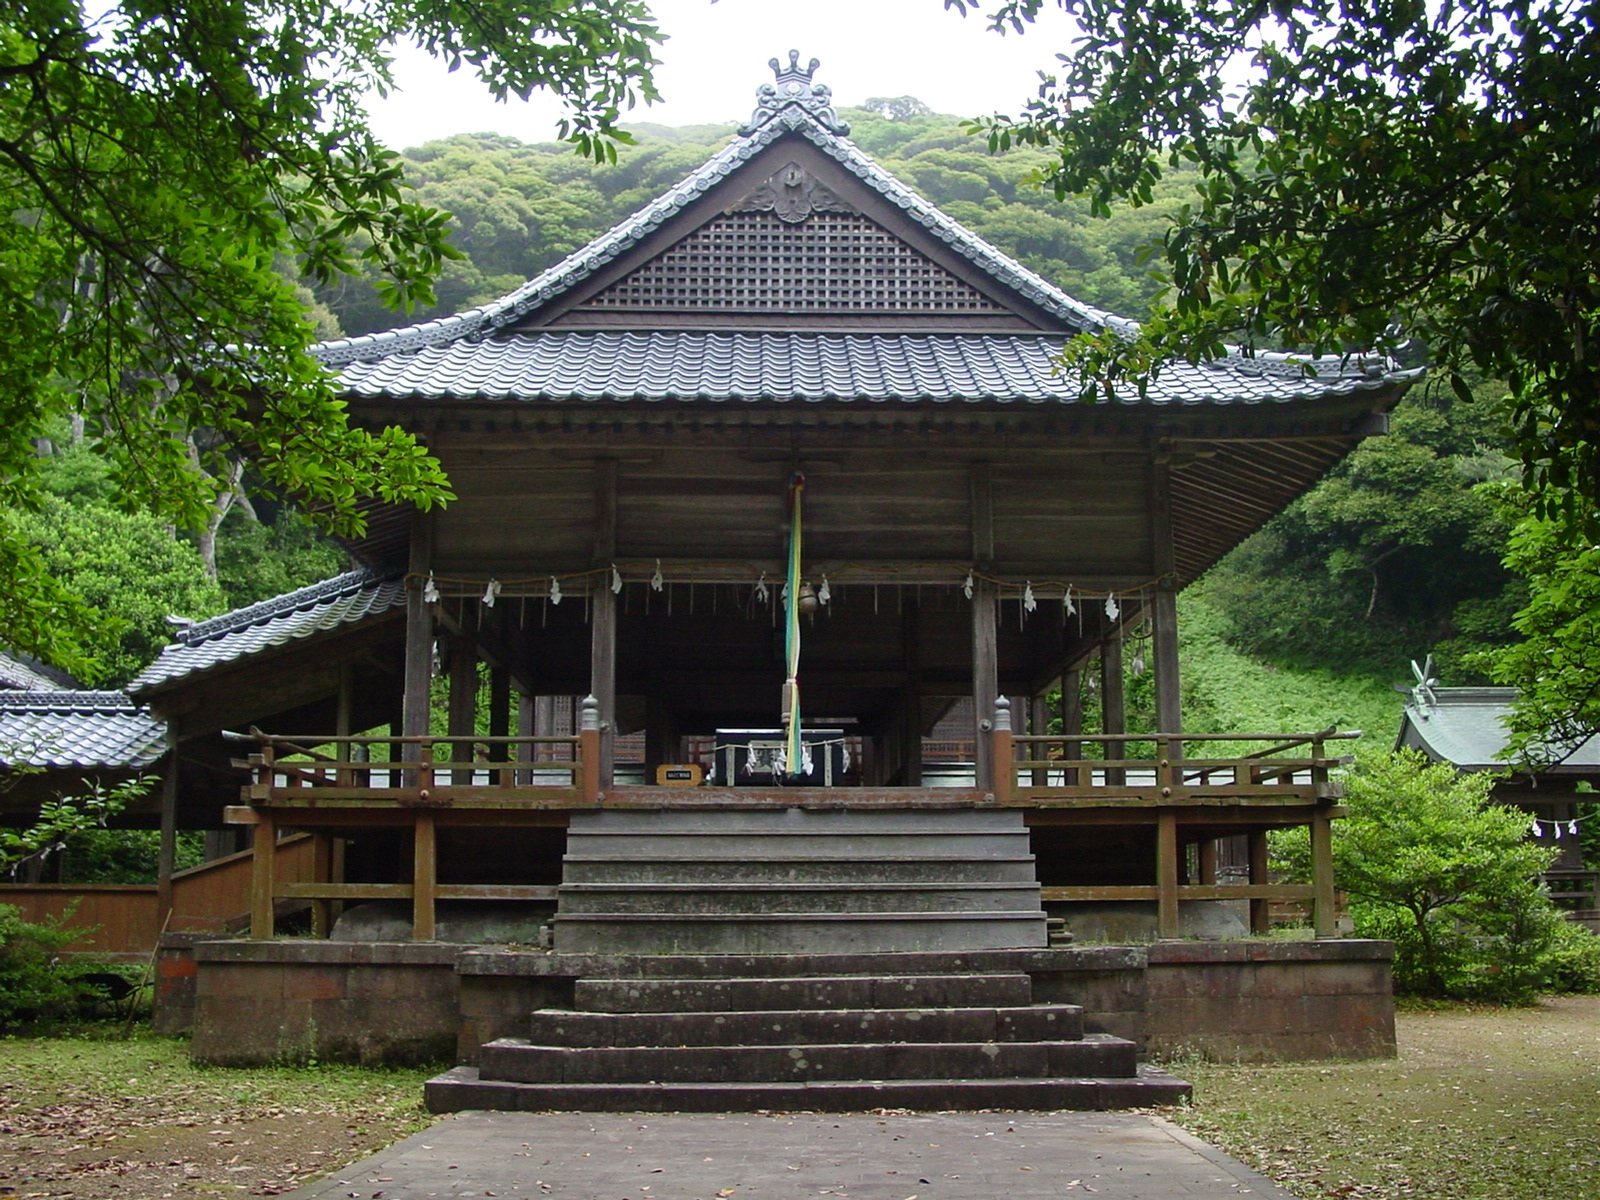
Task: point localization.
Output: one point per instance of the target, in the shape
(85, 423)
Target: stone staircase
(816, 1032)
(736, 960)
(797, 881)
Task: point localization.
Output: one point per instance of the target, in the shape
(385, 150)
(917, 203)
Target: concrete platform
(781, 1156)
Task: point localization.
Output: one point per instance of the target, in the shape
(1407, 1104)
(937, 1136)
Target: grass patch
(1490, 1103)
(93, 1115)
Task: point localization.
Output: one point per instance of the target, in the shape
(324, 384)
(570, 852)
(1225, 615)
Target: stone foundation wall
(380, 1003)
(404, 1002)
(1271, 1001)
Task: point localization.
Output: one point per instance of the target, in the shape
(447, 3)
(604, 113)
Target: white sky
(718, 53)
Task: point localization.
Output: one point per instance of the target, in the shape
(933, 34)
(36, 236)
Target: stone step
(461, 1088)
(668, 993)
(805, 868)
(797, 933)
(650, 896)
(521, 1061)
(786, 842)
(733, 820)
(1028, 1023)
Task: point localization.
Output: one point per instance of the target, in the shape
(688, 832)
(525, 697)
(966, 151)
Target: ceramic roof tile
(78, 729)
(343, 600)
(27, 675)
(552, 366)
(1466, 726)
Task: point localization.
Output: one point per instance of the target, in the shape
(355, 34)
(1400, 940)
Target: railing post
(424, 878)
(263, 872)
(1260, 907)
(589, 749)
(425, 770)
(1167, 914)
(1003, 752)
(1322, 921)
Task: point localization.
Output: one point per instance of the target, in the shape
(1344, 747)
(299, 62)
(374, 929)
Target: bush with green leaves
(1431, 863)
(32, 980)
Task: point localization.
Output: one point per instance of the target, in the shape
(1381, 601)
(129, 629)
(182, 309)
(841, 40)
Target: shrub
(33, 983)
(1572, 961)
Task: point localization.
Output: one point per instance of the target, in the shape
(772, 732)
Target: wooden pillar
(1071, 720)
(1260, 910)
(167, 854)
(463, 706)
(1167, 922)
(1208, 861)
(1113, 708)
(263, 872)
(499, 712)
(603, 615)
(527, 725)
(1169, 692)
(908, 728)
(985, 678)
(1039, 726)
(419, 636)
(661, 735)
(424, 878)
(1322, 917)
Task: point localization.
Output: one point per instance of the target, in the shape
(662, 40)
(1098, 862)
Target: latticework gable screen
(758, 262)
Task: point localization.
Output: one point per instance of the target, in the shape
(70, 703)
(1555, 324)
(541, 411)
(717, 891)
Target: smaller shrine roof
(78, 729)
(1466, 726)
(342, 600)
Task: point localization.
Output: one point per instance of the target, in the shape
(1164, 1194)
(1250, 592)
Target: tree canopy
(166, 169)
(1369, 174)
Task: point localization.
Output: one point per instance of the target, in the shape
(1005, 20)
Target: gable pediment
(792, 246)
(792, 236)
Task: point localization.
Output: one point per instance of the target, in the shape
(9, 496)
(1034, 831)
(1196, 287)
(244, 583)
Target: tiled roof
(1467, 726)
(694, 365)
(83, 730)
(30, 676)
(794, 117)
(343, 600)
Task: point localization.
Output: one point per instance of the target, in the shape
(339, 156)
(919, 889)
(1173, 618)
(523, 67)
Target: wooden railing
(1051, 770)
(1173, 782)
(1279, 781)
(316, 771)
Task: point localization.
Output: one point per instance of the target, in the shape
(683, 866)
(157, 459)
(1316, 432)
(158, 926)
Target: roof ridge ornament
(793, 89)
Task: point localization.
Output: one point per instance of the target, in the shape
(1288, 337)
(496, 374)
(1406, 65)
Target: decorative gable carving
(794, 194)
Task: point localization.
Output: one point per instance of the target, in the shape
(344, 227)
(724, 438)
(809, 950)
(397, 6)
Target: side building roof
(280, 621)
(84, 730)
(1466, 726)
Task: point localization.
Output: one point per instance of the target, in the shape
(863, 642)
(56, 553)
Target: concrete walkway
(856, 1156)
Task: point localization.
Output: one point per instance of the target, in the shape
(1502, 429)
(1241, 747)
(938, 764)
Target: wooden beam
(167, 855)
(985, 677)
(419, 633)
(1260, 910)
(981, 493)
(1167, 914)
(424, 878)
(263, 873)
(603, 616)
(1322, 916)
(1113, 706)
(463, 706)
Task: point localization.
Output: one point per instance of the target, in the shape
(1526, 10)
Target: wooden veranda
(424, 785)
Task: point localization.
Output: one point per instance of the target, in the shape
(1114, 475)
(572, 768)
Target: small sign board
(680, 775)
